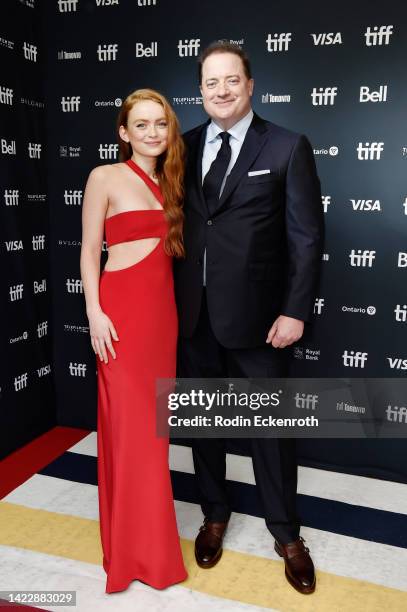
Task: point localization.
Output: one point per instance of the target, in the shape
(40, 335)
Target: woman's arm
(95, 203)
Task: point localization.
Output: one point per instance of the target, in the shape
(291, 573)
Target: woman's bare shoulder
(105, 171)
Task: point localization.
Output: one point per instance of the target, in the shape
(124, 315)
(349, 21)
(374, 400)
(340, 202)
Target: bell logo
(402, 259)
(372, 150)
(352, 359)
(40, 287)
(151, 51)
(329, 38)
(278, 42)
(366, 95)
(8, 149)
(189, 48)
(378, 36)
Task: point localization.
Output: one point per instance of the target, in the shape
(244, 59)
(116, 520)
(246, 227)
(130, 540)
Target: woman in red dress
(133, 328)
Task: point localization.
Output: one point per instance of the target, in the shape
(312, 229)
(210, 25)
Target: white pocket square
(257, 172)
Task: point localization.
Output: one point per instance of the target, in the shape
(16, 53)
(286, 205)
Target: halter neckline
(147, 179)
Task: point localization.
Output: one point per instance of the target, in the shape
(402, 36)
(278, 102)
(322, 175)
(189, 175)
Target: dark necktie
(216, 173)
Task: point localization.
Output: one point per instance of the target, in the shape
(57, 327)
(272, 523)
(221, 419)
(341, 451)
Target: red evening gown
(138, 526)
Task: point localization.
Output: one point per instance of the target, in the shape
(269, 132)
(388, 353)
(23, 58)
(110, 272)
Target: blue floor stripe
(328, 515)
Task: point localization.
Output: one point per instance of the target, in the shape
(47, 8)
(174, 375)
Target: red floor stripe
(26, 461)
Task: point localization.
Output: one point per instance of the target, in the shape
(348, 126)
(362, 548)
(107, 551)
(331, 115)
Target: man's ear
(251, 86)
(123, 134)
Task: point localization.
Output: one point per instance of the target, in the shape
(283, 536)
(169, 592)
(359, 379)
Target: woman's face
(147, 129)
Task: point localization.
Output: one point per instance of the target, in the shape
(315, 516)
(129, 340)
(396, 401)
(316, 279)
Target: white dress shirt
(212, 145)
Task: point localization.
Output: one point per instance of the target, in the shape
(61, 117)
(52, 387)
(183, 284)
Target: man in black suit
(253, 239)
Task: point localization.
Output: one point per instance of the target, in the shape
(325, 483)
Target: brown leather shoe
(208, 543)
(299, 568)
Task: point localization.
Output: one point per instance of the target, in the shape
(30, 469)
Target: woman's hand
(102, 332)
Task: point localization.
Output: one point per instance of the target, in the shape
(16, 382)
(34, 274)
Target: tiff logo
(6, 95)
(107, 53)
(372, 150)
(34, 150)
(326, 200)
(378, 36)
(73, 197)
(67, 6)
(278, 42)
(402, 259)
(307, 401)
(188, 48)
(366, 95)
(40, 286)
(352, 359)
(396, 414)
(318, 305)
(362, 259)
(42, 329)
(108, 151)
(77, 369)
(20, 382)
(324, 96)
(16, 292)
(70, 104)
(74, 285)
(38, 242)
(401, 313)
(30, 52)
(11, 197)
(8, 149)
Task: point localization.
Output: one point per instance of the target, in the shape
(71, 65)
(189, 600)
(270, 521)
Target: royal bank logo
(327, 38)
(369, 150)
(378, 35)
(379, 95)
(30, 52)
(362, 259)
(69, 55)
(324, 96)
(354, 359)
(67, 6)
(108, 151)
(366, 205)
(34, 150)
(74, 285)
(40, 286)
(400, 313)
(397, 363)
(107, 52)
(270, 98)
(396, 414)
(318, 305)
(188, 47)
(42, 329)
(306, 400)
(8, 148)
(307, 353)
(6, 95)
(73, 197)
(147, 50)
(402, 259)
(13, 245)
(70, 104)
(326, 201)
(11, 197)
(69, 151)
(77, 369)
(278, 42)
(16, 292)
(20, 382)
(38, 242)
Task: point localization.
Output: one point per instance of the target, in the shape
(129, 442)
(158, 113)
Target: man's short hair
(224, 46)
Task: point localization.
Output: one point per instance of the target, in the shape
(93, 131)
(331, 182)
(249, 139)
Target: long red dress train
(138, 527)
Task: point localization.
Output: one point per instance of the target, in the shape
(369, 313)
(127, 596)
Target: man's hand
(285, 331)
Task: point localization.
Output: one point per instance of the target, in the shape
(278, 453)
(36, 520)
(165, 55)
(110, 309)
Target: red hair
(169, 168)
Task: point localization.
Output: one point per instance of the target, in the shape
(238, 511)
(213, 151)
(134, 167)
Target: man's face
(225, 89)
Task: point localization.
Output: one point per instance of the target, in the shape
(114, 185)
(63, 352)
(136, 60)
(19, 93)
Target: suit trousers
(274, 460)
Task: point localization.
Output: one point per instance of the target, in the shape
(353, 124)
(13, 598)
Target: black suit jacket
(264, 243)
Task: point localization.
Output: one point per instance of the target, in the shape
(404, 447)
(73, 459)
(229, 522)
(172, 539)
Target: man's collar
(238, 130)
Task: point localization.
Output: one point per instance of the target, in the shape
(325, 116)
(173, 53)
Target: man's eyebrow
(229, 76)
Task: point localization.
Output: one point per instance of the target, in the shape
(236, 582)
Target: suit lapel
(195, 151)
(251, 147)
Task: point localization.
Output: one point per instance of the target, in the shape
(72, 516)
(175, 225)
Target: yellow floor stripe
(239, 577)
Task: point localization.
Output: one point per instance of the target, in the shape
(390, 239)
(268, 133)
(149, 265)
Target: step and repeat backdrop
(27, 407)
(335, 76)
